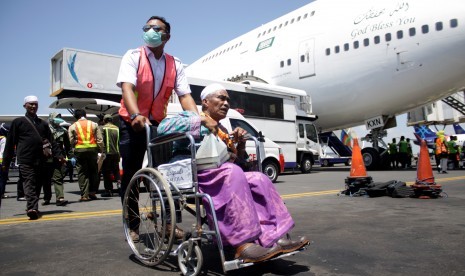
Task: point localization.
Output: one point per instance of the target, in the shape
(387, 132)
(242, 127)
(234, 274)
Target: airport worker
(86, 138)
(409, 153)
(60, 135)
(147, 77)
(441, 151)
(4, 128)
(28, 135)
(110, 166)
(452, 148)
(261, 234)
(403, 152)
(393, 155)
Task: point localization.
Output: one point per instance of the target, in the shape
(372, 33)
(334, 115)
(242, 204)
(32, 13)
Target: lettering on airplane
(385, 19)
(265, 44)
(374, 123)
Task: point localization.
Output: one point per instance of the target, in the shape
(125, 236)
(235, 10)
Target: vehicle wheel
(325, 163)
(271, 170)
(348, 162)
(371, 158)
(306, 164)
(190, 260)
(148, 203)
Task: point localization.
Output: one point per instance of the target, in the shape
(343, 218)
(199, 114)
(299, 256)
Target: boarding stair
(456, 101)
(332, 141)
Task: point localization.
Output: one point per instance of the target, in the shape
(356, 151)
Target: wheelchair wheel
(190, 261)
(147, 207)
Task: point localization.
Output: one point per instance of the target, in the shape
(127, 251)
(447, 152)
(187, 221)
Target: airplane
(361, 61)
(458, 129)
(425, 133)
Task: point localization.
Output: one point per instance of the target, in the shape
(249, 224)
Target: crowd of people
(446, 151)
(46, 152)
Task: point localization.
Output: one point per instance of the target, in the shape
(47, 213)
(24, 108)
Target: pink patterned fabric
(247, 205)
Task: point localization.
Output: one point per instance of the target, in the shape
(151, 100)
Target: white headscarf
(209, 89)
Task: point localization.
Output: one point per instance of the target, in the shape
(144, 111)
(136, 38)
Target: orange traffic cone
(424, 186)
(358, 178)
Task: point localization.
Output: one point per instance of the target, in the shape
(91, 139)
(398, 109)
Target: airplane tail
(424, 132)
(458, 129)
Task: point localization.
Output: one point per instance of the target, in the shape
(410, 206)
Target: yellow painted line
(105, 213)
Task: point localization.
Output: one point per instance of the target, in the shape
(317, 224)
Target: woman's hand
(239, 135)
(209, 123)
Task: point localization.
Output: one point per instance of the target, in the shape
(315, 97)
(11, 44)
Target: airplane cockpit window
(439, 26)
(356, 44)
(412, 31)
(425, 29)
(400, 34)
(388, 37)
(454, 23)
(377, 39)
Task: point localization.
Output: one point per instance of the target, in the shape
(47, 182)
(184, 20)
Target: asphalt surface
(351, 235)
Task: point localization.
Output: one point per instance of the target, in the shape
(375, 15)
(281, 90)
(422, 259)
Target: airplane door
(307, 58)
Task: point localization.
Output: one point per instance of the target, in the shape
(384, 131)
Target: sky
(32, 31)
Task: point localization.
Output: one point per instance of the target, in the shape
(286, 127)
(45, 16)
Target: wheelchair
(151, 204)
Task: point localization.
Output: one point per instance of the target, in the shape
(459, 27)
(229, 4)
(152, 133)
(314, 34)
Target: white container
(178, 173)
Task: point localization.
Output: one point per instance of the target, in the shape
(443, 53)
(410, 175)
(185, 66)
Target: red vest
(148, 105)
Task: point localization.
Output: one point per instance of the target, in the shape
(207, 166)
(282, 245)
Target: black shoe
(33, 214)
(444, 172)
(61, 202)
(92, 197)
(46, 202)
(107, 193)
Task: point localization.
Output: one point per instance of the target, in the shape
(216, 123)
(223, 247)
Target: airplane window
(328, 51)
(377, 39)
(356, 44)
(400, 34)
(251, 73)
(264, 32)
(306, 15)
(412, 31)
(313, 13)
(259, 35)
(336, 49)
(292, 21)
(346, 47)
(269, 30)
(274, 29)
(280, 25)
(285, 24)
(366, 42)
(240, 43)
(425, 29)
(388, 37)
(289, 62)
(439, 26)
(298, 18)
(302, 58)
(281, 64)
(454, 23)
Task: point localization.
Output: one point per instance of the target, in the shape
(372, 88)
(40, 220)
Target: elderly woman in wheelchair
(251, 215)
(245, 207)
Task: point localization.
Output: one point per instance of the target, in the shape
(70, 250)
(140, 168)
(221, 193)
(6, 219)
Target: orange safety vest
(440, 146)
(148, 105)
(85, 135)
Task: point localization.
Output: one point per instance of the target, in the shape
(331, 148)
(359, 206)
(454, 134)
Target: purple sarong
(247, 205)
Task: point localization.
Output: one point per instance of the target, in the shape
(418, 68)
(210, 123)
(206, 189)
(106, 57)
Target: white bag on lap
(211, 153)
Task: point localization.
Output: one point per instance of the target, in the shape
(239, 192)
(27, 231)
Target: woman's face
(217, 105)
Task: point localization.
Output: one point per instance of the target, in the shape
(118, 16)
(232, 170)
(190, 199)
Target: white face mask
(152, 38)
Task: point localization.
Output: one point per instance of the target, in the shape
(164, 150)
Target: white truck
(282, 114)
(83, 79)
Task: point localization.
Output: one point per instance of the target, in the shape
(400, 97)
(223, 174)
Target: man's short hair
(79, 113)
(162, 19)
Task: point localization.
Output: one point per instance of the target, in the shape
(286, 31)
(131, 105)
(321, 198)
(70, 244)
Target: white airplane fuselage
(314, 48)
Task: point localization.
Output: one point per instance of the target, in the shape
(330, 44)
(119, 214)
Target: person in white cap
(27, 135)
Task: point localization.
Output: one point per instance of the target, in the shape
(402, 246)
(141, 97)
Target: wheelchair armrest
(168, 137)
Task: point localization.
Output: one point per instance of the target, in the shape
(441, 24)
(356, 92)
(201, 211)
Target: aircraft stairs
(332, 141)
(456, 101)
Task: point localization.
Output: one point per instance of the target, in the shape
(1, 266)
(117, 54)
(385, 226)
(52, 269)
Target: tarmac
(350, 235)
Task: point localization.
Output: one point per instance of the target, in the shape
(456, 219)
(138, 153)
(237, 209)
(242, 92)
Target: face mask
(152, 38)
(57, 121)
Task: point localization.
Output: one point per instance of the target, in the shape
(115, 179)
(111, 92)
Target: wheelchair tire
(190, 263)
(152, 195)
